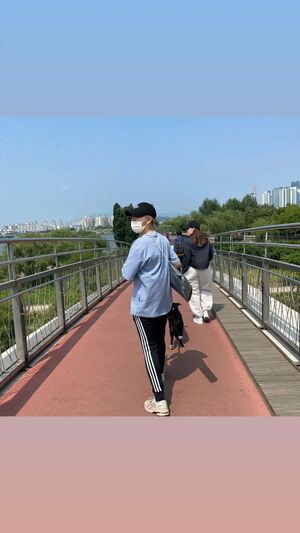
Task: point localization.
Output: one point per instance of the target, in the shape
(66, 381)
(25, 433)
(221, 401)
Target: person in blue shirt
(147, 265)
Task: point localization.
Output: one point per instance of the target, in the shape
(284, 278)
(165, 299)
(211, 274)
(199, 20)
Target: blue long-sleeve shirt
(147, 265)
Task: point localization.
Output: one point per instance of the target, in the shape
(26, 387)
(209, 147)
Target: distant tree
(121, 224)
(287, 215)
(209, 206)
(266, 211)
(42, 248)
(242, 214)
(130, 236)
(233, 203)
(226, 220)
(261, 221)
(199, 216)
(175, 223)
(248, 202)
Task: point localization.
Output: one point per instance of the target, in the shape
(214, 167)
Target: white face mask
(137, 226)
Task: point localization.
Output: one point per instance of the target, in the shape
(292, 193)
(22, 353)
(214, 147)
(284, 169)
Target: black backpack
(179, 248)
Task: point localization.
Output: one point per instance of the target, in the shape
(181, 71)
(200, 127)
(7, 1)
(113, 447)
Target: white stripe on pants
(147, 354)
(201, 281)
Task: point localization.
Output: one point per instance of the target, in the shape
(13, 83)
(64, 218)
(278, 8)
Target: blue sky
(69, 167)
(169, 102)
(154, 58)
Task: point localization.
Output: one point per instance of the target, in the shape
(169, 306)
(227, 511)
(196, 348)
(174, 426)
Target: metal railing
(46, 285)
(268, 289)
(286, 235)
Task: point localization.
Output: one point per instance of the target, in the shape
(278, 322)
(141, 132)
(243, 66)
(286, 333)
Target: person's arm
(187, 256)
(174, 259)
(134, 261)
(175, 242)
(211, 253)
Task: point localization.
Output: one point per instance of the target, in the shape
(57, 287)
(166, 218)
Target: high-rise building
(253, 193)
(101, 221)
(266, 198)
(275, 196)
(87, 222)
(293, 196)
(284, 196)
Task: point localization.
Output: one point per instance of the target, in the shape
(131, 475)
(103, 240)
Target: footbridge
(69, 347)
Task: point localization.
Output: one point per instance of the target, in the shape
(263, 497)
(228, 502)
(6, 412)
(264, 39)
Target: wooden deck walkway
(277, 378)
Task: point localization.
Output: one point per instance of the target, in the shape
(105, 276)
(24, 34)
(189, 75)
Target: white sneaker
(198, 321)
(206, 317)
(159, 408)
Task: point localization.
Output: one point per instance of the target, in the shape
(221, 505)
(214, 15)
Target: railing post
(98, 280)
(55, 254)
(83, 292)
(109, 274)
(120, 260)
(266, 240)
(230, 273)
(222, 270)
(18, 313)
(60, 301)
(117, 269)
(244, 283)
(265, 294)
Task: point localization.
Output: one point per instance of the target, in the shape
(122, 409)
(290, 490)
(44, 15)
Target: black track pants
(152, 336)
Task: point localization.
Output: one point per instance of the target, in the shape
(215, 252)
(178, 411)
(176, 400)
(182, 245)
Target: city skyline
(86, 222)
(282, 196)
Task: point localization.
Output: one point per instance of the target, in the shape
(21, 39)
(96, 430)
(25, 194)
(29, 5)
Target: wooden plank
(275, 376)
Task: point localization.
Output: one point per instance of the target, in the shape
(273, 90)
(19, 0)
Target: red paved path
(97, 368)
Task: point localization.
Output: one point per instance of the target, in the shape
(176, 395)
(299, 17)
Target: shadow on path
(181, 365)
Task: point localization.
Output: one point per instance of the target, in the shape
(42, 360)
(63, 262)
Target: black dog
(175, 325)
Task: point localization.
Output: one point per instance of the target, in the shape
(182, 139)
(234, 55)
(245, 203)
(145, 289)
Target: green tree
(248, 202)
(287, 215)
(121, 225)
(226, 220)
(209, 206)
(175, 223)
(233, 203)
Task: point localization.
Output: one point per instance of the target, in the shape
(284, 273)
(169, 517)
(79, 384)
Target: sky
(133, 57)
(168, 102)
(65, 168)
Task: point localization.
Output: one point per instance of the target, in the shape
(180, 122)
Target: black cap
(141, 210)
(192, 224)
